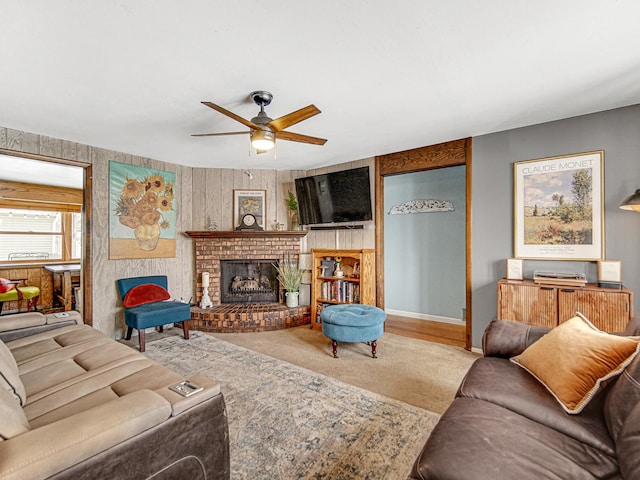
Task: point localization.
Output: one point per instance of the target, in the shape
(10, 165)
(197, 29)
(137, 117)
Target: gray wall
(424, 253)
(617, 132)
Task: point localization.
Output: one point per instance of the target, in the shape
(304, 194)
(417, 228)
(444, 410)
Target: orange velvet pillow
(575, 359)
(145, 293)
(5, 286)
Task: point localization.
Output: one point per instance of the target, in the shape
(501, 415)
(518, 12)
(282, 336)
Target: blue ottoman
(353, 323)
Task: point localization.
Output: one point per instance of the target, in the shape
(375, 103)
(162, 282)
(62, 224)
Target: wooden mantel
(245, 233)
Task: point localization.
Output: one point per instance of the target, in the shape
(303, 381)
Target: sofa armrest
(633, 328)
(506, 339)
(44, 451)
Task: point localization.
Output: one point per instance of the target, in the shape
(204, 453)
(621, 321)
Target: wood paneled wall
(202, 194)
(107, 306)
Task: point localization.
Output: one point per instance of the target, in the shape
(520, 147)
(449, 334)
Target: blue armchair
(147, 312)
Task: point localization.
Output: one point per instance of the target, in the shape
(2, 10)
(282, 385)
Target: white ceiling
(388, 76)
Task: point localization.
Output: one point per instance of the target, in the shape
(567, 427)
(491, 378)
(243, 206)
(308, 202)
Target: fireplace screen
(248, 281)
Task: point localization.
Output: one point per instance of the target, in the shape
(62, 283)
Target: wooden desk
(65, 277)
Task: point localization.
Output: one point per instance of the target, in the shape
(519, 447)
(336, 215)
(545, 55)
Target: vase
(294, 223)
(147, 236)
(292, 299)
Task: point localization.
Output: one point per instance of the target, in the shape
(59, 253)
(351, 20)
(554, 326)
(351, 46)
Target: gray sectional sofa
(75, 404)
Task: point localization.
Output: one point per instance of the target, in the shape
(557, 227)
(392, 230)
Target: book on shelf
(319, 309)
(340, 291)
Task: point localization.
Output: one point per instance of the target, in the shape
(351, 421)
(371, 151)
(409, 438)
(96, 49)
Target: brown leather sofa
(75, 404)
(504, 424)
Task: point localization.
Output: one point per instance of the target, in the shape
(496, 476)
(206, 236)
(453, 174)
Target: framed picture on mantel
(249, 202)
(559, 207)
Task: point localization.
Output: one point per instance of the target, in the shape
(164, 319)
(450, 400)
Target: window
(35, 235)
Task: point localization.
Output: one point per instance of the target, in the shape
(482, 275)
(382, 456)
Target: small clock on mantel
(248, 222)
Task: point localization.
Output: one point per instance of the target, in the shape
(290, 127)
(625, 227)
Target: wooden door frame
(448, 154)
(87, 294)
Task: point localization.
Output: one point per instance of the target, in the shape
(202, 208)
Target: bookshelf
(328, 287)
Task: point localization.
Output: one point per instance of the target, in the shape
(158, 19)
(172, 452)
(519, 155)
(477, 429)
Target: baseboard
(425, 316)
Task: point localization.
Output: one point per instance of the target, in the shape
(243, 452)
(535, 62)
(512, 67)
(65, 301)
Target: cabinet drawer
(609, 311)
(530, 304)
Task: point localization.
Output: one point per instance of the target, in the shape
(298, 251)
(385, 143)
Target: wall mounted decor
(422, 206)
(142, 212)
(249, 202)
(559, 207)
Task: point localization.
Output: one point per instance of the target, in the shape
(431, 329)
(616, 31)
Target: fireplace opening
(248, 281)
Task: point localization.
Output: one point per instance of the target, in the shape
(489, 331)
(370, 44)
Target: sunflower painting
(142, 212)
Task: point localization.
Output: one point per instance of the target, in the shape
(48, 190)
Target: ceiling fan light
(263, 139)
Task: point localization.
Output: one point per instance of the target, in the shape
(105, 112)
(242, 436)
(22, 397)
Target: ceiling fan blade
(229, 114)
(294, 117)
(297, 137)
(217, 134)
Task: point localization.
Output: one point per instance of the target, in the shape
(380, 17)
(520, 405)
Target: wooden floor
(439, 332)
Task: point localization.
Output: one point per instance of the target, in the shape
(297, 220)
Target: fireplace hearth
(255, 313)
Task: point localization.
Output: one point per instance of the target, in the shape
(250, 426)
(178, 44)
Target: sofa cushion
(145, 293)
(506, 339)
(10, 376)
(22, 320)
(574, 359)
(499, 381)
(622, 396)
(12, 419)
(27, 348)
(479, 440)
(628, 445)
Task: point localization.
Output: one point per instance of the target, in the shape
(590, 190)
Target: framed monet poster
(559, 207)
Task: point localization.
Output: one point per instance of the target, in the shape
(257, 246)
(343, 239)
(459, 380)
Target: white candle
(205, 279)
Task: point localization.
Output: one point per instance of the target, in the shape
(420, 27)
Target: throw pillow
(574, 359)
(6, 285)
(145, 293)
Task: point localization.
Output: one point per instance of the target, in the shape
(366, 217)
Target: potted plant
(290, 276)
(292, 205)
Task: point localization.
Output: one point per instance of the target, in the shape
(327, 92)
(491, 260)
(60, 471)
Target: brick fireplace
(210, 247)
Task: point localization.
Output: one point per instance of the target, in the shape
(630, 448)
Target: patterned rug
(286, 422)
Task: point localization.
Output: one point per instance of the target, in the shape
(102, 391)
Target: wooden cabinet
(356, 285)
(546, 305)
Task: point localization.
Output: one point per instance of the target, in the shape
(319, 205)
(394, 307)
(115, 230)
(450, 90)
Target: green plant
(289, 275)
(291, 201)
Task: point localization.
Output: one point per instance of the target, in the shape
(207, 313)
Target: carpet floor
(421, 373)
(288, 422)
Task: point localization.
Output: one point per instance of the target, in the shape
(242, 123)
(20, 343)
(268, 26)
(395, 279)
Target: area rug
(287, 422)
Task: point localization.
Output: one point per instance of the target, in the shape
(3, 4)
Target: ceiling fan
(263, 130)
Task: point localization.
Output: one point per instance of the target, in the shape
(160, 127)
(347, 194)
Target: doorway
(63, 176)
(422, 303)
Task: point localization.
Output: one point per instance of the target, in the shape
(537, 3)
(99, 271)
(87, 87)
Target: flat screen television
(335, 197)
